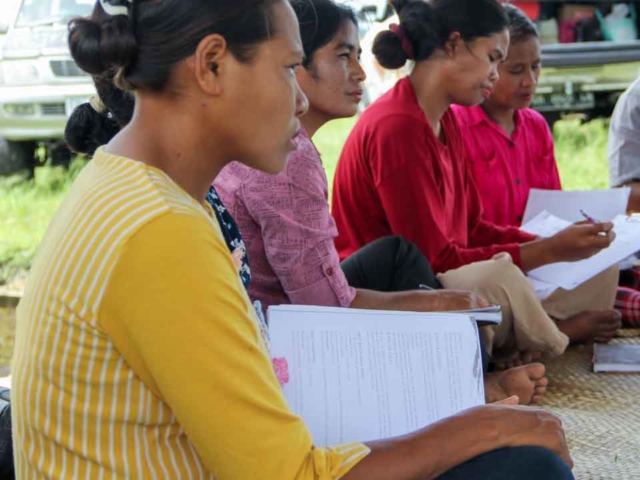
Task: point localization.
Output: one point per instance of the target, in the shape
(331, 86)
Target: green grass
(581, 153)
(26, 207)
(329, 141)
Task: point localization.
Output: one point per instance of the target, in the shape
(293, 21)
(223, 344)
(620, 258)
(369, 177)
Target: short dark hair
(89, 128)
(428, 27)
(143, 46)
(319, 22)
(521, 27)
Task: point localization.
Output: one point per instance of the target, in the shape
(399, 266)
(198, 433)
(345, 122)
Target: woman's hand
(430, 452)
(454, 300)
(580, 241)
(519, 426)
(576, 242)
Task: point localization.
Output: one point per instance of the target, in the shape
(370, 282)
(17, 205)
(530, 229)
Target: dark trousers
(389, 264)
(517, 463)
(393, 264)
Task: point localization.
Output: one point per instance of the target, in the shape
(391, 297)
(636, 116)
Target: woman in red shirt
(510, 144)
(404, 171)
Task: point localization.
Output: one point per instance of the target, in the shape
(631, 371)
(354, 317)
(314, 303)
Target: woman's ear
(452, 47)
(209, 63)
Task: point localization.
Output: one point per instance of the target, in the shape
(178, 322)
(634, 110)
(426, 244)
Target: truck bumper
(39, 112)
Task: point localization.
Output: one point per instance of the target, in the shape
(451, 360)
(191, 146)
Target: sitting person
(403, 171)
(93, 124)
(285, 219)
(289, 230)
(138, 353)
(511, 147)
(624, 171)
(624, 144)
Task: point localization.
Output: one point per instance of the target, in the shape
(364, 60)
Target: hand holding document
(358, 375)
(569, 275)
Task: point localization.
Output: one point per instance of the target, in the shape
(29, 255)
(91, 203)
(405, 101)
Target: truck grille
(53, 109)
(66, 68)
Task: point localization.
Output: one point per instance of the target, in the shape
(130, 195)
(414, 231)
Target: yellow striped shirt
(138, 354)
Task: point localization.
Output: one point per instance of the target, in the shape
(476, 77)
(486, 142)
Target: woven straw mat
(600, 413)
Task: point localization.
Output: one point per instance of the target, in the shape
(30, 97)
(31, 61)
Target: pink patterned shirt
(288, 230)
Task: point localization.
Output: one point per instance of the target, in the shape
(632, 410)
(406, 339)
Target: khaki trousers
(527, 323)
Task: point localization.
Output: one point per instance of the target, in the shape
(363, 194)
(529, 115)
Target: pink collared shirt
(506, 168)
(288, 230)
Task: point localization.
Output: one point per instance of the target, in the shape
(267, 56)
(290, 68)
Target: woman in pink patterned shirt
(288, 229)
(285, 219)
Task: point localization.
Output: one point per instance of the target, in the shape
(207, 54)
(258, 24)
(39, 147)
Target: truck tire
(16, 157)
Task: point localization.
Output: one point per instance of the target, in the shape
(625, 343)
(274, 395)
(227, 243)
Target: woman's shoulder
(398, 103)
(388, 121)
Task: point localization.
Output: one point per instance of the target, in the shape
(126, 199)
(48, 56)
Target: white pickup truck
(40, 84)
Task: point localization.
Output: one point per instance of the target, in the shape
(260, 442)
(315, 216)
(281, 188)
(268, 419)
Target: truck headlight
(15, 72)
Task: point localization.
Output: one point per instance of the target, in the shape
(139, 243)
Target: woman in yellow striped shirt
(138, 354)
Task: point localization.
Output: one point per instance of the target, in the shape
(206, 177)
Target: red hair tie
(407, 46)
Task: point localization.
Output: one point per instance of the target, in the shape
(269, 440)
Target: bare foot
(587, 327)
(527, 382)
(514, 359)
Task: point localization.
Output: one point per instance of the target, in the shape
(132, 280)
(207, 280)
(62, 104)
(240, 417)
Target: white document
(569, 275)
(544, 224)
(543, 289)
(360, 375)
(601, 205)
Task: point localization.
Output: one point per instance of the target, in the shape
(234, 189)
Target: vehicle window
(35, 12)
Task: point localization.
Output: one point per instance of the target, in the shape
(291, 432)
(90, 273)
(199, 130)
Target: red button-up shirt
(506, 167)
(395, 178)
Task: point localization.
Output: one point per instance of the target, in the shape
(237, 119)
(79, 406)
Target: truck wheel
(16, 157)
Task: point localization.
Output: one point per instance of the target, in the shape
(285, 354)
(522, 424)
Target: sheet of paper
(603, 205)
(358, 375)
(543, 289)
(545, 224)
(569, 275)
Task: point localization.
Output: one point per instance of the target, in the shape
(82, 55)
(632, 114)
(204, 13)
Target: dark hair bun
(387, 48)
(427, 27)
(419, 24)
(87, 130)
(98, 46)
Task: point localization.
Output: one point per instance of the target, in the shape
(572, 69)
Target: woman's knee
(502, 272)
(396, 244)
(539, 463)
(515, 463)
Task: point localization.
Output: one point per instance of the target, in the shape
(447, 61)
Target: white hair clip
(116, 7)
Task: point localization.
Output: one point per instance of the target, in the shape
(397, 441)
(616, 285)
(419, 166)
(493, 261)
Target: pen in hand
(588, 218)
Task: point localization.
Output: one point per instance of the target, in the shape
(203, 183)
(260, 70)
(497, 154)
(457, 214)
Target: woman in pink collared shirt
(511, 146)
